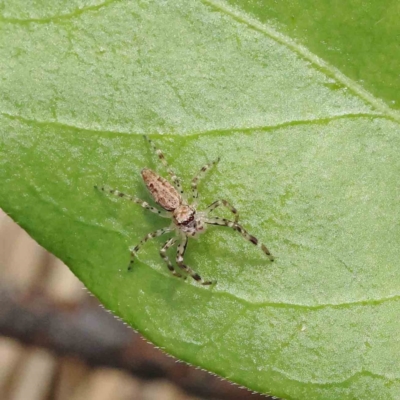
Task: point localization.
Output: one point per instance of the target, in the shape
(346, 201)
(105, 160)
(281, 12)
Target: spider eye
(190, 219)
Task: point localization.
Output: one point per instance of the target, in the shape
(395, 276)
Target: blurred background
(58, 343)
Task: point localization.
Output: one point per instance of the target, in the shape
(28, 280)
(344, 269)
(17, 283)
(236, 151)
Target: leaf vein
(320, 120)
(347, 380)
(53, 18)
(345, 304)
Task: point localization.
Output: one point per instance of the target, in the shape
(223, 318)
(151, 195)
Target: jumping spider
(186, 220)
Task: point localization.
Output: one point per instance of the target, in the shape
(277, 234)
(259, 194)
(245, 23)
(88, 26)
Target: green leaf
(308, 156)
(361, 38)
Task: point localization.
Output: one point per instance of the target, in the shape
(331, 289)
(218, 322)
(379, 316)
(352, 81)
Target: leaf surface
(308, 157)
(361, 38)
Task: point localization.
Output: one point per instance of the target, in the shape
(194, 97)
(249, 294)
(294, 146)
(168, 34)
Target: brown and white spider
(186, 220)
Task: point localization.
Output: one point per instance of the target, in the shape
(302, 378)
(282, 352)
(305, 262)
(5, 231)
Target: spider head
(188, 221)
(184, 215)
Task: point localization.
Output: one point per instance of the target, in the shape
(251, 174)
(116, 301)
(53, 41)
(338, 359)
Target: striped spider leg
(161, 157)
(197, 178)
(234, 225)
(163, 254)
(186, 220)
(134, 199)
(180, 253)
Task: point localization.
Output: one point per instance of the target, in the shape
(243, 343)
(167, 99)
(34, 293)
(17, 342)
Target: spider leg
(179, 260)
(163, 253)
(147, 206)
(200, 175)
(242, 231)
(161, 156)
(152, 235)
(226, 204)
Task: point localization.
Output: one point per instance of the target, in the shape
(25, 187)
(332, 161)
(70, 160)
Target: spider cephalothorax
(184, 214)
(186, 220)
(189, 220)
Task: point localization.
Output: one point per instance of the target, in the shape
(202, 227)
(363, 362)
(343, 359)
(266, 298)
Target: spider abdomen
(161, 190)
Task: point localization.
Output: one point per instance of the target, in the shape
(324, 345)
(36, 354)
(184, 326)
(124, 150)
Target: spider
(186, 220)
